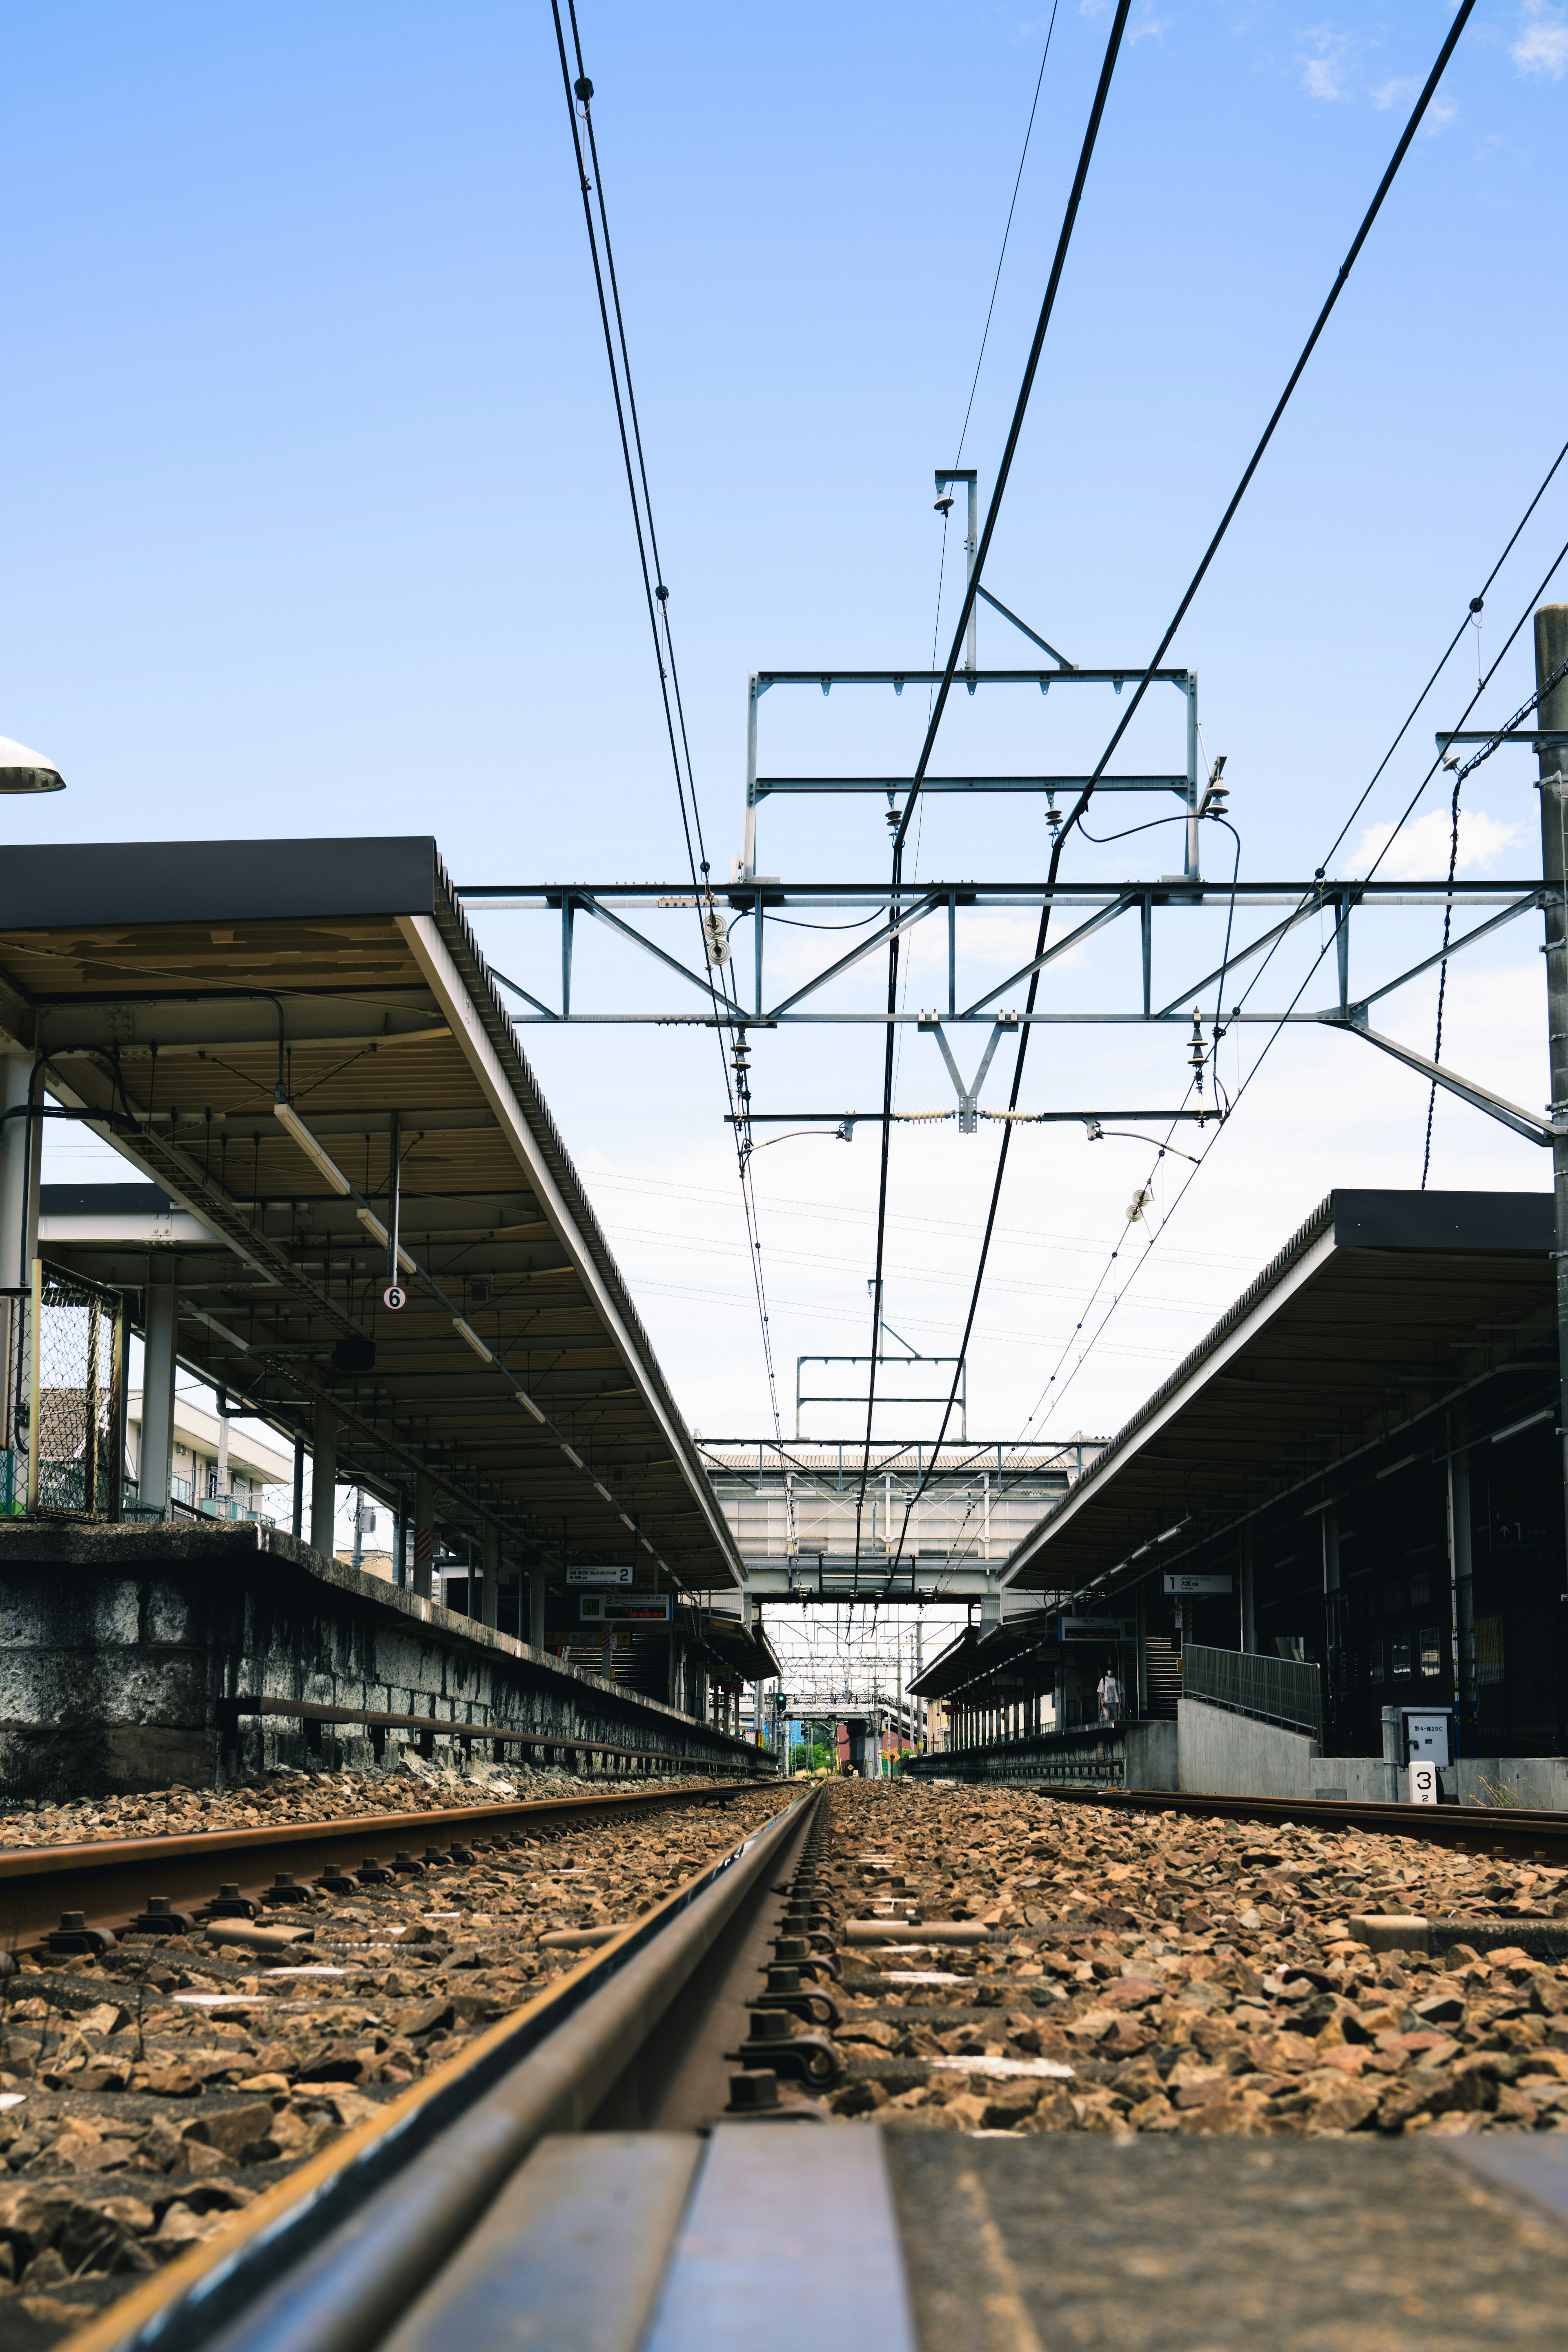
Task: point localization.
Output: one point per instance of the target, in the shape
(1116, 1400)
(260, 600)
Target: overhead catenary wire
(1278, 1029)
(1007, 233)
(1461, 773)
(579, 92)
(1418, 112)
(1369, 217)
(1064, 239)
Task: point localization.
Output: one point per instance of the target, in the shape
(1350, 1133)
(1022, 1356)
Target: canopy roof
(1387, 1309)
(187, 994)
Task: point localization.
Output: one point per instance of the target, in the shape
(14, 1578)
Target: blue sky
(315, 524)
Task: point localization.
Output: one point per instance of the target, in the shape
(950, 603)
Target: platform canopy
(1392, 1324)
(258, 1027)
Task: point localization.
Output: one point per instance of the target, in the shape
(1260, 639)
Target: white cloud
(1420, 850)
(1542, 44)
(1324, 62)
(1320, 78)
(1393, 93)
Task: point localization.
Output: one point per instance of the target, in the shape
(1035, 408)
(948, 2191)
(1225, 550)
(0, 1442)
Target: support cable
(1007, 233)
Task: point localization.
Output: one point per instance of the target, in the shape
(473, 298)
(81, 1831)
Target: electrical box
(1425, 1735)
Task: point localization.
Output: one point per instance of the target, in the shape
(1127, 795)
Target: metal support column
(749, 842)
(324, 1479)
(1191, 863)
(492, 1579)
(1552, 714)
(156, 1452)
(424, 1534)
(1140, 1656)
(297, 1519)
(1461, 1591)
(536, 1608)
(972, 549)
(16, 1255)
(1248, 1601)
(1333, 1641)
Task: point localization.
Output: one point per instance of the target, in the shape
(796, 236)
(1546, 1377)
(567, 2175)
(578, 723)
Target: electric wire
(1064, 239)
(1461, 773)
(1007, 233)
(579, 96)
(1461, 19)
(1075, 817)
(1278, 1029)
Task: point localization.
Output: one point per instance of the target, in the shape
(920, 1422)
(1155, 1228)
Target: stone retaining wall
(122, 1650)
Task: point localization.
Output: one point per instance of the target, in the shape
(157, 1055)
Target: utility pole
(1552, 719)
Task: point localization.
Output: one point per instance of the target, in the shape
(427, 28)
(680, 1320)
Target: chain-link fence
(65, 1377)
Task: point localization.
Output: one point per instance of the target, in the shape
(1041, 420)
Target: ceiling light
(289, 1119)
(473, 1339)
(372, 1225)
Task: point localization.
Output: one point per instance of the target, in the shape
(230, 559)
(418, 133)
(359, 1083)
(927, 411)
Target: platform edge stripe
(570, 2254)
(792, 2238)
(1532, 2167)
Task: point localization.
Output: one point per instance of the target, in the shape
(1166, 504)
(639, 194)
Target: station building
(1347, 1500)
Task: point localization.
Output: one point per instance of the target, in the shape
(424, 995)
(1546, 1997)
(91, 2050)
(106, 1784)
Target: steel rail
(37, 1882)
(1510, 1827)
(330, 2259)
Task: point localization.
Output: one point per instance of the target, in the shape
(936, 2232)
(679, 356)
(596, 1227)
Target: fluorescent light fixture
(598, 1489)
(473, 1339)
(628, 1523)
(372, 1225)
(289, 1119)
(527, 1403)
(575, 1459)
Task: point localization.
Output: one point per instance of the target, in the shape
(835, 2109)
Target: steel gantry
(738, 913)
(1098, 907)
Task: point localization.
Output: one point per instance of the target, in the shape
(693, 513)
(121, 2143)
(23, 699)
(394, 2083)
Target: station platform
(779, 2235)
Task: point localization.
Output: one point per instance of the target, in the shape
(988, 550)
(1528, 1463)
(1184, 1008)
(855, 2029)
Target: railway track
(963, 1967)
(1515, 1830)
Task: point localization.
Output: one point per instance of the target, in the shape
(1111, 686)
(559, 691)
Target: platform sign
(1422, 1784)
(1095, 1629)
(583, 1571)
(623, 1609)
(1176, 1581)
(394, 1298)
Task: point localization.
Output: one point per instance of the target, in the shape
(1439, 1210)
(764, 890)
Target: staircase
(1163, 1665)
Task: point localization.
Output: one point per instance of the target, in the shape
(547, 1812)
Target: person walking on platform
(1109, 1696)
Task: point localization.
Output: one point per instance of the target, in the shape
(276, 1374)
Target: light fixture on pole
(22, 771)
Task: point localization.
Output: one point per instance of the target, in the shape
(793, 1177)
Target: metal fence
(69, 1416)
(1275, 1690)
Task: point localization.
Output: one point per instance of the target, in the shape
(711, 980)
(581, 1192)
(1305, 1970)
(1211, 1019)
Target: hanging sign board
(1095, 1629)
(394, 1298)
(601, 1572)
(1176, 1581)
(623, 1609)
